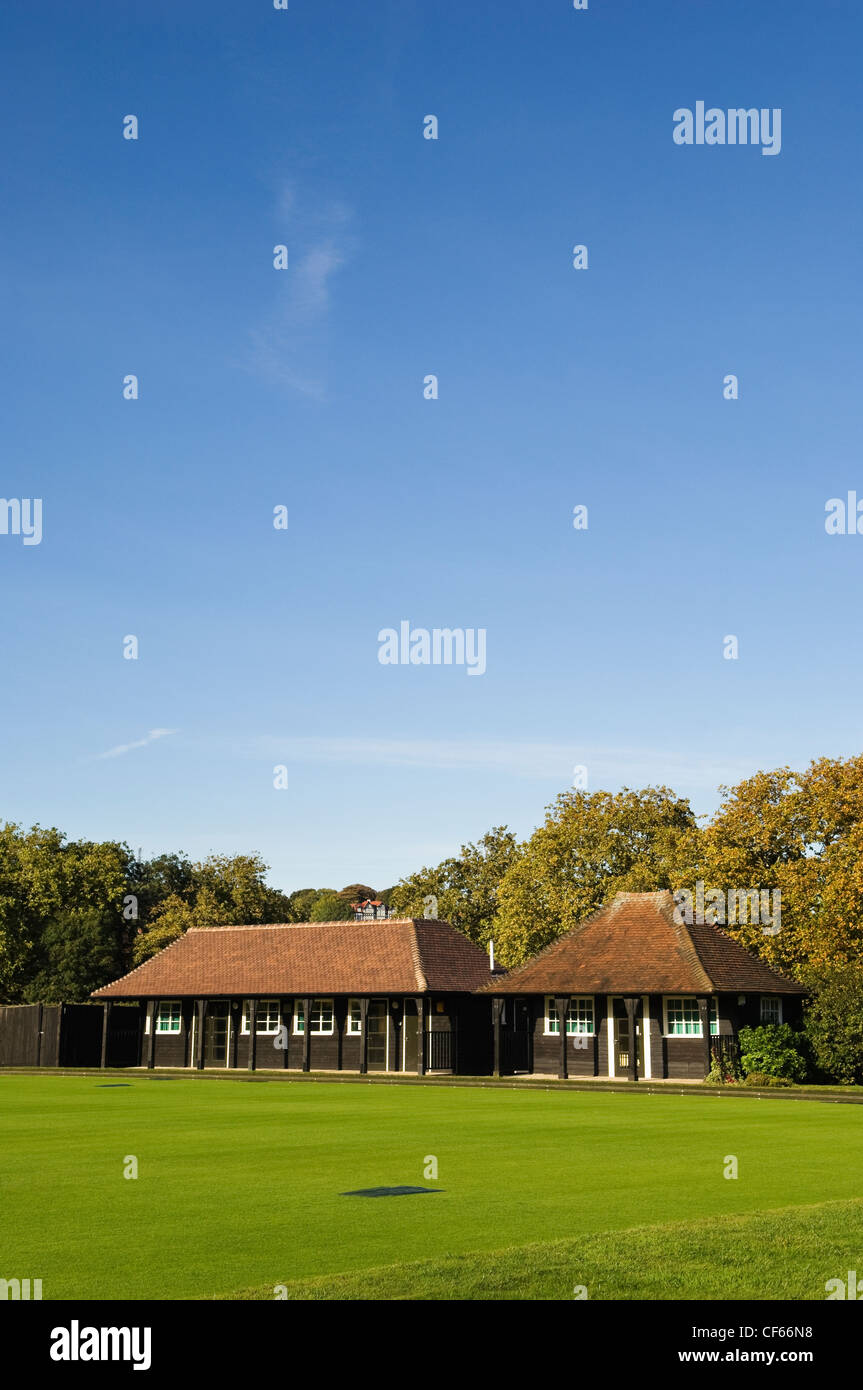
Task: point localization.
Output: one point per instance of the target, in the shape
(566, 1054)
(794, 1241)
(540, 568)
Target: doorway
(621, 1039)
(216, 1033)
(377, 1025)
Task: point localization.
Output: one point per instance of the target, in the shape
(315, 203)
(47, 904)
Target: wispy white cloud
(151, 737)
(290, 347)
(533, 760)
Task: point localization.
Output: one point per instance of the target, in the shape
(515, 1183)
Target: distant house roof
(392, 956)
(633, 945)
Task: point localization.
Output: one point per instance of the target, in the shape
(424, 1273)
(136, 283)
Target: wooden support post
(496, 1011)
(421, 1037)
(394, 1062)
(151, 1041)
(307, 1034)
(453, 1023)
(364, 1039)
(253, 1034)
(338, 1029)
(704, 1015)
(631, 1006)
(106, 1023)
(562, 1006)
(235, 1023)
(286, 1020)
(201, 1007)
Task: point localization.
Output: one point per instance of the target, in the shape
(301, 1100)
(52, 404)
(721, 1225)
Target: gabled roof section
(393, 956)
(633, 945)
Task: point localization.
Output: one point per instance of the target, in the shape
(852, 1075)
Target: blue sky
(304, 388)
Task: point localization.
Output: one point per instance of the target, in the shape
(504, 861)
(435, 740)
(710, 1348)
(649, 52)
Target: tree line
(798, 832)
(76, 914)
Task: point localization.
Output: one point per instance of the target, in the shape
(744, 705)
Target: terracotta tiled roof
(634, 946)
(398, 956)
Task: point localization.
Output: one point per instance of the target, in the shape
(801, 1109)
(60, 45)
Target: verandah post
(151, 1041)
(562, 1006)
(421, 1037)
(631, 1006)
(307, 1033)
(364, 1040)
(201, 1007)
(253, 1034)
(106, 1022)
(704, 1015)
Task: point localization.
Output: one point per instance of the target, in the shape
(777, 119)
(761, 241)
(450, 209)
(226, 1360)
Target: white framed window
(771, 1008)
(267, 1019)
(355, 1018)
(169, 1016)
(322, 1016)
(579, 1016)
(682, 1019)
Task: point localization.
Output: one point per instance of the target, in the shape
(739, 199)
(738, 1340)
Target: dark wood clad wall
(684, 1058)
(171, 1048)
(591, 1060)
(475, 1039)
(19, 1035)
(51, 1035)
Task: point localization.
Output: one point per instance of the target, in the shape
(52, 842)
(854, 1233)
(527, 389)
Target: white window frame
(354, 1024)
(323, 1032)
(770, 999)
(271, 1029)
(176, 1014)
(298, 1009)
(713, 1015)
(572, 1024)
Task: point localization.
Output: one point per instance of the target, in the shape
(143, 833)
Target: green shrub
(775, 1050)
(724, 1070)
(760, 1078)
(834, 1022)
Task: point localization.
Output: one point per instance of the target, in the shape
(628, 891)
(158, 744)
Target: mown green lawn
(239, 1190)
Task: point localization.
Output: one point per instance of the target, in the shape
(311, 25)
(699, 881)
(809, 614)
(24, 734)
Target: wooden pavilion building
(380, 995)
(644, 996)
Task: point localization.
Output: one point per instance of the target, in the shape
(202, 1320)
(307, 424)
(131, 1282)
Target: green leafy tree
(357, 893)
(331, 907)
(834, 1021)
(302, 902)
(465, 887)
(80, 949)
(168, 923)
(222, 891)
(800, 833)
(591, 846)
(42, 876)
(153, 881)
(237, 882)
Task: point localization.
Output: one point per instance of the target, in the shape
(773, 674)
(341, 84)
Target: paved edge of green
(786, 1253)
(848, 1095)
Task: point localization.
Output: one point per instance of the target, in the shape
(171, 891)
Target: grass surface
(781, 1254)
(239, 1189)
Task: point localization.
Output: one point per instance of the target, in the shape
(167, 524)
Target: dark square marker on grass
(390, 1191)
